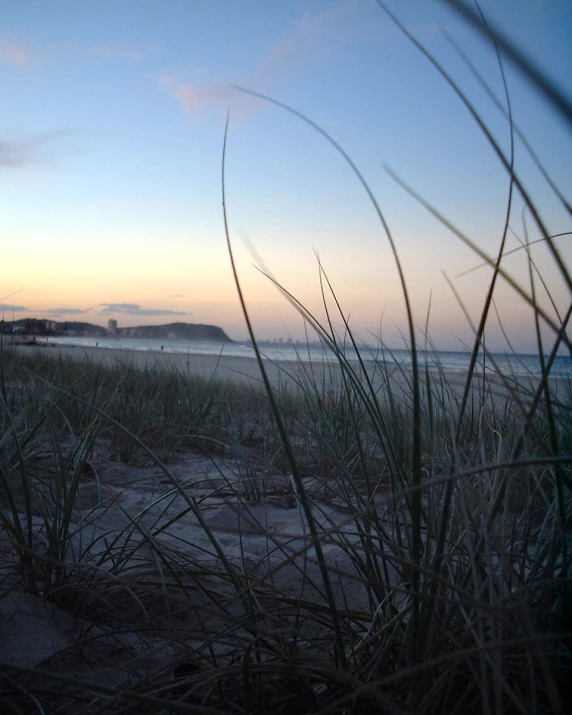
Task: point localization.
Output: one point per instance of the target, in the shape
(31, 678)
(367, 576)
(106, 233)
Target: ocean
(450, 361)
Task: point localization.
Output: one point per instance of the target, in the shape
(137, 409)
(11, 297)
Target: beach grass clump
(166, 408)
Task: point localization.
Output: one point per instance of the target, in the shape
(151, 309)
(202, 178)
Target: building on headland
(40, 325)
(112, 327)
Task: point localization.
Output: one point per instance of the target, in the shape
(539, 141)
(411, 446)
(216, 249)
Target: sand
(267, 536)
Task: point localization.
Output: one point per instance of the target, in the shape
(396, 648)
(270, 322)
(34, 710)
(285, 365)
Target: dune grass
(494, 630)
(444, 586)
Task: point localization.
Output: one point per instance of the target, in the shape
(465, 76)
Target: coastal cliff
(183, 331)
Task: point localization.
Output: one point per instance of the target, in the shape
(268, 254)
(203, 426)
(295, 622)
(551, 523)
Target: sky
(111, 137)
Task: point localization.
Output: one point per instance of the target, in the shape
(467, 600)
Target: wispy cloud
(66, 311)
(17, 153)
(134, 309)
(13, 154)
(15, 53)
(195, 98)
(20, 54)
(312, 37)
(14, 308)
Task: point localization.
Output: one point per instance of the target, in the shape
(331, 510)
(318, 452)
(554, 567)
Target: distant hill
(178, 331)
(183, 331)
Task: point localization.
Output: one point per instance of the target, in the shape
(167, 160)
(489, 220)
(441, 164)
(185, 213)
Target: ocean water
(449, 361)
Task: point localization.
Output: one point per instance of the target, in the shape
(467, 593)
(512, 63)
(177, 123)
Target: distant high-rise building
(112, 326)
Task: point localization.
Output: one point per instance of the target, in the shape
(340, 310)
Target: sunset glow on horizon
(111, 146)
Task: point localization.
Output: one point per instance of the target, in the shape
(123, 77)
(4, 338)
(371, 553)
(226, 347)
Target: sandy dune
(197, 510)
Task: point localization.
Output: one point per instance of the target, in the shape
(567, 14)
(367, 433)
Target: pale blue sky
(110, 150)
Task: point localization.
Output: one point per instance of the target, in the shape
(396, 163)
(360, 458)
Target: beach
(238, 370)
(235, 369)
(290, 374)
